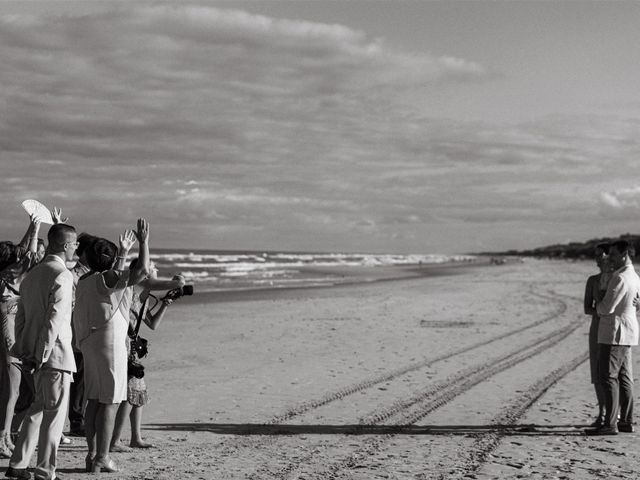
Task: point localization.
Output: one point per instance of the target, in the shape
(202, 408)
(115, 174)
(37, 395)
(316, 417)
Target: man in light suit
(617, 333)
(43, 342)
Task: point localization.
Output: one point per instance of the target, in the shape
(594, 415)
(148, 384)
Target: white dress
(101, 330)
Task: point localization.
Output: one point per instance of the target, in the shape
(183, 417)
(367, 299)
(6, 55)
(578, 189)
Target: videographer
(146, 308)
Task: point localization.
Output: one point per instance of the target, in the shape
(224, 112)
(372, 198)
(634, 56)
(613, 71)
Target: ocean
(223, 270)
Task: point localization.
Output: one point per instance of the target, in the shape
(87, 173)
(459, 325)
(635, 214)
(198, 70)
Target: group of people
(612, 298)
(71, 312)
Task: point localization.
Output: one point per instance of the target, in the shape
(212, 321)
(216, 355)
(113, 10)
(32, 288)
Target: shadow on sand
(289, 429)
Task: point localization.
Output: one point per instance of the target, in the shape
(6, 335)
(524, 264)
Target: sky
(351, 126)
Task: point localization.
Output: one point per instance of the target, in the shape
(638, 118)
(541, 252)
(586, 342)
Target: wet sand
(481, 374)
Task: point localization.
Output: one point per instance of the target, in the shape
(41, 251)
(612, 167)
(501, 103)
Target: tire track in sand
(485, 443)
(230, 447)
(426, 401)
(312, 404)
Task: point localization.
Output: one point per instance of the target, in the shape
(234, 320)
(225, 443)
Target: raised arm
(56, 215)
(127, 240)
(30, 240)
(155, 284)
(141, 270)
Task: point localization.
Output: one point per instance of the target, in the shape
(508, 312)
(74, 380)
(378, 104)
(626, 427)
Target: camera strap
(133, 332)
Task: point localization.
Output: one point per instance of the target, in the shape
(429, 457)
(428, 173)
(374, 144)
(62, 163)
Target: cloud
(625, 198)
(199, 84)
(610, 200)
(257, 132)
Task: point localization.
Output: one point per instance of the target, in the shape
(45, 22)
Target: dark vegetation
(573, 250)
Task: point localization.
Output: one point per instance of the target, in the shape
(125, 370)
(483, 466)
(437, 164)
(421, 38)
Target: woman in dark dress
(594, 292)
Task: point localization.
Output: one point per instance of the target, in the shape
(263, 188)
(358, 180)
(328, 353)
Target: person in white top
(617, 333)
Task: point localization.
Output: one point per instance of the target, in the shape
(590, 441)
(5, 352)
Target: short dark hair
(85, 240)
(101, 254)
(57, 235)
(623, 247)
(604, 247)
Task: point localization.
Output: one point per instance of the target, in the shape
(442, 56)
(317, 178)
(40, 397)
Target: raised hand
(127, 240)
(35, 221)
(143, 231)
(56, 215)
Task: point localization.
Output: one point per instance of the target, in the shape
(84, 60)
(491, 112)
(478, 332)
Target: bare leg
(14, 376)
(136, 431)
(121, 419)
(5, 452)
(105, 420)
(90, 415)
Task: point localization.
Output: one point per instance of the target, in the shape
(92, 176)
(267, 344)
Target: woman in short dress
(101, 320)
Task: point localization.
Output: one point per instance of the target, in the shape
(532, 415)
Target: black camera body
(139, 349)
(139, 345)
(180, 292)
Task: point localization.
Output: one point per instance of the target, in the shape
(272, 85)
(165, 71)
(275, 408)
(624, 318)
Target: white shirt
(618, 322)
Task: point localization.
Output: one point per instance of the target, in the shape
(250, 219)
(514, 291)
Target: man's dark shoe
(19, 473)
(601, 431)
(625, 427)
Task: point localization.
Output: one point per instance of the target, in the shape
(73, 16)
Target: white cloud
(624, 198)
(224, 121)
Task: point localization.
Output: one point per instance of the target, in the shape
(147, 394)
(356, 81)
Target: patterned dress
(10, 279)
(137, 394)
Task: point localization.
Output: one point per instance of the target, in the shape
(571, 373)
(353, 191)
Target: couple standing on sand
(611, 298)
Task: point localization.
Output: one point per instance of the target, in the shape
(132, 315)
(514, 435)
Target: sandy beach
(478, 374)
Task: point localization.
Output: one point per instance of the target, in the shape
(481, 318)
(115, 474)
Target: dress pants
(617, 379)
(594, 363)
(43, 424)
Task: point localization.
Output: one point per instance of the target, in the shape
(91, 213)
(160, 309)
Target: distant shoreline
(352, 277)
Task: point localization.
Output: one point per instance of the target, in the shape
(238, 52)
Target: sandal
(119, 448)
(104, 465)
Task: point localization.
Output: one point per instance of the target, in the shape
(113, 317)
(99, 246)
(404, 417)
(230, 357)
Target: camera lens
(187, 290)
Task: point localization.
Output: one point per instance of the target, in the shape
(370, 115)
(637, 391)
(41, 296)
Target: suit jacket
(618, 322)
(43, 321)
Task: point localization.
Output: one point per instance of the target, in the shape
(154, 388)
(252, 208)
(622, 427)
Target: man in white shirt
(617, 333)
(43, 342)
